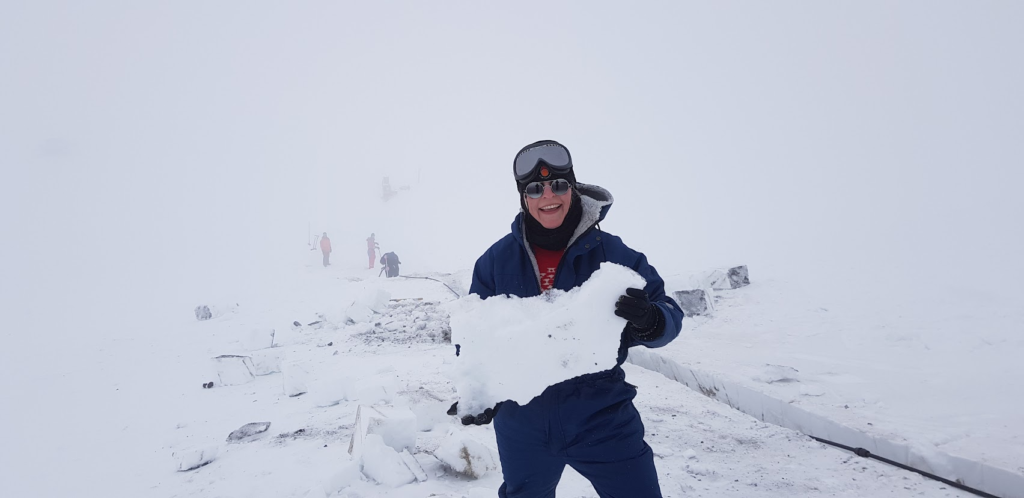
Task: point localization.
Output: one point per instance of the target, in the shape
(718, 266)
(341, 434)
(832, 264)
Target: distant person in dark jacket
(325, 247)
(390, 262)
(588, 422)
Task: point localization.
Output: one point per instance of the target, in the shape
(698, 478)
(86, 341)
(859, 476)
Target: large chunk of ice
(695, 302)
(396, 427)
(514, 348)
(294, 377)
(193, 458)
(233, 370)
(383, 464)
(267, 361)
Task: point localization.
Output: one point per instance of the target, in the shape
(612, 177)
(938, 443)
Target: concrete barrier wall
(977, 475)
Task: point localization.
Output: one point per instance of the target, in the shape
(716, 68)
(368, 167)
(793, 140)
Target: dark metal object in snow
(436, 280)
(693, 302)
(296, 323)
(204, 463)
(203, 313)
(863, 453)
(247, 431)
(738, 277)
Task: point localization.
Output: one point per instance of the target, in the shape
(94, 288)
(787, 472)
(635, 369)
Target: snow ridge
(979, 475)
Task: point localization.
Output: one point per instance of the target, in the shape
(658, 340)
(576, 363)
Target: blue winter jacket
(509, 266)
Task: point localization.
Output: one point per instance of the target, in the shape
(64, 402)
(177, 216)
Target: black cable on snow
(861, 452)
(436, 280)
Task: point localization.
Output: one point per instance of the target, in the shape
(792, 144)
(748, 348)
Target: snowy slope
(150, 409)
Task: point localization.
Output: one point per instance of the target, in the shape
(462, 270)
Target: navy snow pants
(588, 423)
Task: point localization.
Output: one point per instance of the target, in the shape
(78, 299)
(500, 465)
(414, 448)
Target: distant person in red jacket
(325, 247)
(371, 248)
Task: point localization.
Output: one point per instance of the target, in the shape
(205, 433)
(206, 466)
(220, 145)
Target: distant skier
(371, 248)
(390, 262)
(325, 247)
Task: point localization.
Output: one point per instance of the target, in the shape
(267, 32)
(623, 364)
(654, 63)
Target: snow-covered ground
(935, 370)
(863, 159)
(128, 423)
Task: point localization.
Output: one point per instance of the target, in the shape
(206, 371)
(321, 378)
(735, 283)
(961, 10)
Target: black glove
(478, 419)
(645, 320)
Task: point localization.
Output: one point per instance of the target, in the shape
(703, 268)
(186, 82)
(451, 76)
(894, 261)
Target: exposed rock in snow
(248, 431)
(203, 312)
(206, 311)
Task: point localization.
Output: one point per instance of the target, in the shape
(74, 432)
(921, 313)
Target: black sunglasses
(535, 190)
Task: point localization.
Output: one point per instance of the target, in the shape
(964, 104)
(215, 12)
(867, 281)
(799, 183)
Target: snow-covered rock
(205, 312)
(247, 431)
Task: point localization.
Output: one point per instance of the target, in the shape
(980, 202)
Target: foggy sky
(150, 149)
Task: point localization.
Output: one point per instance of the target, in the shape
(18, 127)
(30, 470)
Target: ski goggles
(554, 154)
(535, 190)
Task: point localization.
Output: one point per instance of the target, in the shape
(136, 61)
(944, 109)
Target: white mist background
(158, 156)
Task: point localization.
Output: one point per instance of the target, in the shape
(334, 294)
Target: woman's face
(549, 209)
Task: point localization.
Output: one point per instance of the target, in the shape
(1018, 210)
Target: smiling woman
(556, 244)
(549, 207)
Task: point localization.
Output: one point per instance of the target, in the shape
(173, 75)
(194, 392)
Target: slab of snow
(553, 337)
